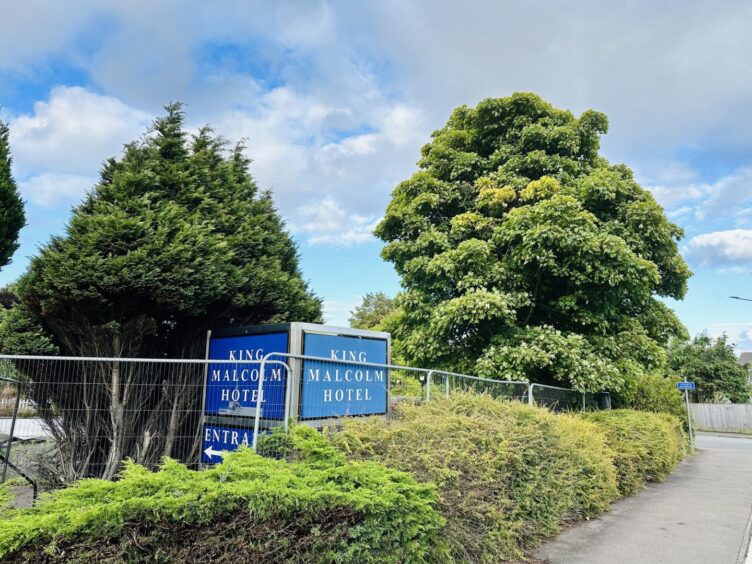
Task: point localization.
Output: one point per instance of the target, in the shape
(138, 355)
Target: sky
(335, 100)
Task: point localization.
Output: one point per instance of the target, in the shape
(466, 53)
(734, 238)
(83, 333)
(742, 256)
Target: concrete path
(700, 514)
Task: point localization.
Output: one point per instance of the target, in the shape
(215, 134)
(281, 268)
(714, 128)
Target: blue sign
(219, 439)
(685, 385)
(232, 388)
(331, 389)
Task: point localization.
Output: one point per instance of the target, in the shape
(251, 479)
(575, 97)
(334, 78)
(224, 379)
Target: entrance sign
(218, 439)
(309, 391)
(685, 385)
(332, 389)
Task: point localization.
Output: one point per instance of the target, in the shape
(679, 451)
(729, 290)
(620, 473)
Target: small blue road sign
(219, 439)
(685, 385)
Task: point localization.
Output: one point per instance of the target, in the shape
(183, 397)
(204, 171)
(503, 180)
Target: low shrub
(248, 508)
(406, 385)
(507, 474)
(5, 497)
(652, 392)
(646, 446)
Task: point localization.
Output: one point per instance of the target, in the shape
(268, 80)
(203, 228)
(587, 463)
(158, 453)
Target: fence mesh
(443, 383)
(62, 419)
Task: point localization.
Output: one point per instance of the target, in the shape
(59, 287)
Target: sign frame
(294, 379)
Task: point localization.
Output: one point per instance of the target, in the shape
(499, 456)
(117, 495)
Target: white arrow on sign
(211, 453)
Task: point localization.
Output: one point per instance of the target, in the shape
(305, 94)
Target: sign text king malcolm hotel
(327, 389)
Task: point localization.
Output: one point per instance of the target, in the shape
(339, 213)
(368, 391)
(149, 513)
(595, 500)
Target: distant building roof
(745, 358)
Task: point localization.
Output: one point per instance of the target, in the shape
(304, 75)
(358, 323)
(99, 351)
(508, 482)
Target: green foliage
(526, 255)
(646, 446)
(12, 217)
(371, 312)
(246, 509)
(713, 366)
(175, 239)
(20, 335)
(507, 474)
(406, 385)
(5, 497)
(652, 392)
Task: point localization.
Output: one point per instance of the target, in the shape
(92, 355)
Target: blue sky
(336, 99)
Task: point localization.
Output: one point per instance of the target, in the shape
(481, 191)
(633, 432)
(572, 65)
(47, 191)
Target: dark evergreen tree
(12, 217)
(175, 239)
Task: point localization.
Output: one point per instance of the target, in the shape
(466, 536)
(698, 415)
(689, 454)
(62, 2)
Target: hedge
(248, 508)
(507, 474)
(646, 446)
(466, 478)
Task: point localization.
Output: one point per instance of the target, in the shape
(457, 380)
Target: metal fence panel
(62, 419)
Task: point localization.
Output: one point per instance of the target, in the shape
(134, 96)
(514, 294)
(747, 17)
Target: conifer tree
(12, 217)
(175, 239)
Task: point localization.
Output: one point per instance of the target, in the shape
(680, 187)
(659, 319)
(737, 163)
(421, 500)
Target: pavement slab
(700, 514)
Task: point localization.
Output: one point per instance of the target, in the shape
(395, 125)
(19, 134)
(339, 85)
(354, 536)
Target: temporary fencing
(67, 418)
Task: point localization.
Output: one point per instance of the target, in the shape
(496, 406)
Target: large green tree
(713, 366)
(372, 311)
(524, 254)
(12, 217)
(175, 239)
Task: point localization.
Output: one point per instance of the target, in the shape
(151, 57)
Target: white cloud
(330, 178)
(72, 132)
(52, 188)
(726, 200)
(327, 222)
(730, 248)
(35, 30)
(336, 98)
(739, 334)
(337, 313)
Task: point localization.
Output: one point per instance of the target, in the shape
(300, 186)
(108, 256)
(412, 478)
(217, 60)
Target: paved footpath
(700, 514)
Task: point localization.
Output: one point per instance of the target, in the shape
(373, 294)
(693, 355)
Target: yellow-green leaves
(513, 200)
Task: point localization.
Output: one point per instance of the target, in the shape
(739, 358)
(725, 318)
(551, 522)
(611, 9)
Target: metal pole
(288, 400)
(530, 400)
(446, 385)
(257, 419)
(583, 401)
(12, 430)
(429, 377)
(689, 418)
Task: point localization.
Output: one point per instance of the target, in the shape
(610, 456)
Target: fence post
(259, 399)
(446, 385)
(584, 395)
(429, 377)
(10, 434)
(530, 399)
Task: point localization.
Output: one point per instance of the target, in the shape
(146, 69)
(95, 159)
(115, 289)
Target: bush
(507, 474)
(246, 509)
(406, 385)
(646, 446)
(5, 497)
(652, 392)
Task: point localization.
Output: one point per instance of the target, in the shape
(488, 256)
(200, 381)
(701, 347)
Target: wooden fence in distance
(723, 417)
